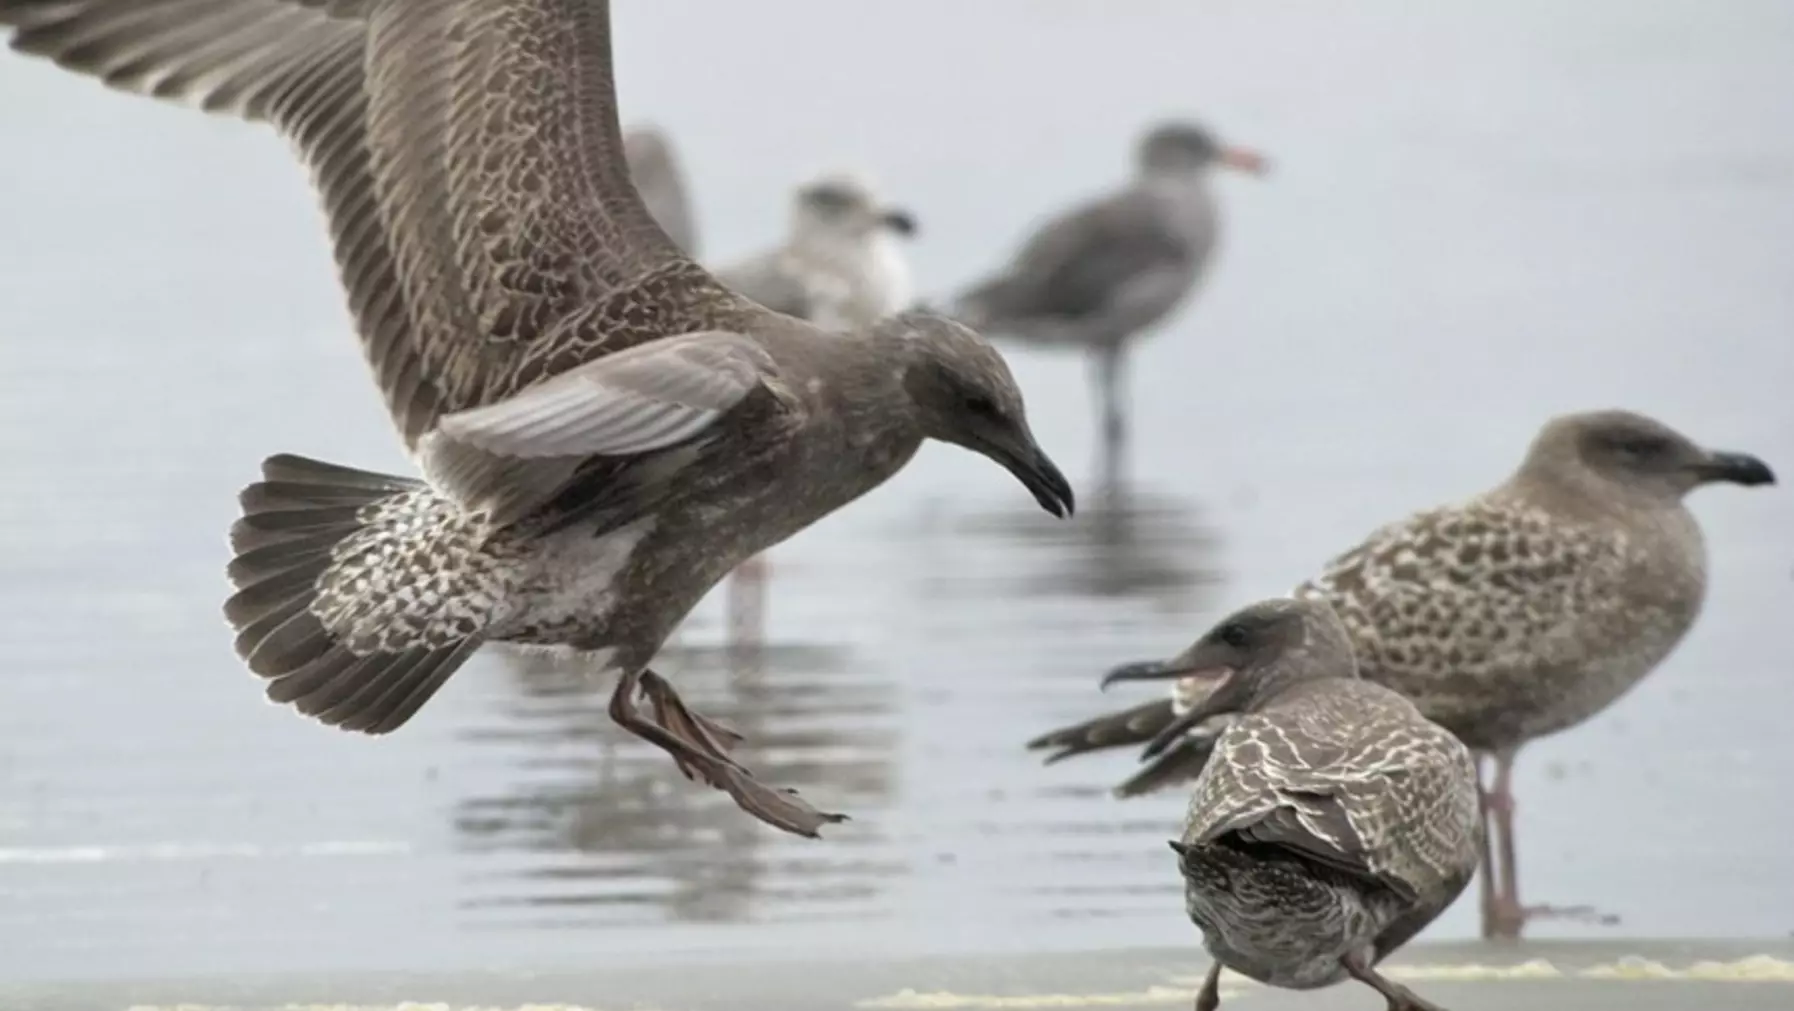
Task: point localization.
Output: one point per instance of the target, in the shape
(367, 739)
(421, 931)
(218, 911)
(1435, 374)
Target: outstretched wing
(504, 181)
(468, 155)
(297, 64)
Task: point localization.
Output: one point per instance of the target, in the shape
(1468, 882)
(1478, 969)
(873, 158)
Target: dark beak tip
(1742, 469)
(1048, 485)
(1139, 670)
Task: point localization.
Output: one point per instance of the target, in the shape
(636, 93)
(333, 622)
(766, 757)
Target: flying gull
(654, 169)
(1332, 822)
(1104, 272)
(840, 267)
(1517, 614)
(604, 430)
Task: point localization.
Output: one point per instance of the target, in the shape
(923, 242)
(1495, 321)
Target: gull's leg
(671, 712)
(1510, 917)
(1209, 997)
(1400, 998)
(697, 746)
(1486, 885)
(1108, 379)
(691, 758)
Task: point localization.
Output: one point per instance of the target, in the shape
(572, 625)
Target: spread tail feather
(294, 523)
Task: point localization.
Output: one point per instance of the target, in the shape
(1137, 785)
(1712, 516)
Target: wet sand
(1563, 976)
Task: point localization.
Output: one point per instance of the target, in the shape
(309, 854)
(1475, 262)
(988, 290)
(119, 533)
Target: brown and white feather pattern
(488, 237)
(1505, 620)
(1359, 770)
(417, 572)
(1334, 821)
(607, 430)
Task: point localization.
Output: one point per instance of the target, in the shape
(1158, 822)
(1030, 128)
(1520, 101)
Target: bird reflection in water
(613, 834)
(1125, 544)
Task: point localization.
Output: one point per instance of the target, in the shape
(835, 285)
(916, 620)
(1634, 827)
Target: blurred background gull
(1482, 216)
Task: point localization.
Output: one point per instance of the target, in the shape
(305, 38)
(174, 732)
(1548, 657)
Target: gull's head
(1628, 457)
(1183, 149)
(845, 206)
(1252, 655)
(961, 391)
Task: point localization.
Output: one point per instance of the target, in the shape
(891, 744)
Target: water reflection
(1124, 543)
(611, 831)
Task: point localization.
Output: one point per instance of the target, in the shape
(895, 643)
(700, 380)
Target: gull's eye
(981, 404)
(1233, 635)
(1639, 447)
(828, 199)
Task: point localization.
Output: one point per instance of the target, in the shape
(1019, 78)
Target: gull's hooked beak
(1203, 677)
(1181, 668)
(1036, 471)
(899, 220)
(1735, 468)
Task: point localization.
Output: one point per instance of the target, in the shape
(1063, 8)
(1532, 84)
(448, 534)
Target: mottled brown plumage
(1527, 609)
(1332, 821)
(605, 429)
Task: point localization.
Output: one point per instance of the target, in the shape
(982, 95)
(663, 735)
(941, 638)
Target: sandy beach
(1569, 976)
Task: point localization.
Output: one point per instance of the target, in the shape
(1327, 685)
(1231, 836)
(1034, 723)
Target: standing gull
(1331, 823)
(1100, 274)
(604, 430)
(1517, 614)
(840, 267)
(654, 169)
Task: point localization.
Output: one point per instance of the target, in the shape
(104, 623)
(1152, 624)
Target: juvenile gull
(654, 169)
(604, 429)
(1517, 614)
(841, 266)
(1098, 275)
(1332, 822)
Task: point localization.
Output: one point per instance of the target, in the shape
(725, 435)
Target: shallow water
(1480, 217)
